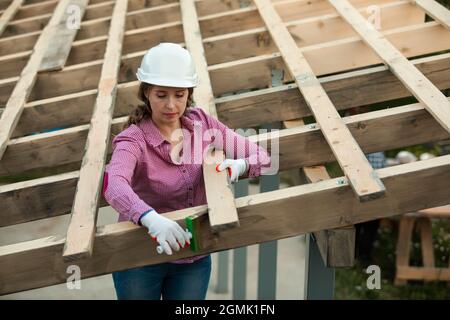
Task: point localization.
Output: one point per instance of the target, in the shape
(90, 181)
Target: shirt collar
(152, 134)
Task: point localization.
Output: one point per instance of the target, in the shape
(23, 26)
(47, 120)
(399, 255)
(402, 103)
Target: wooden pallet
(330, 58)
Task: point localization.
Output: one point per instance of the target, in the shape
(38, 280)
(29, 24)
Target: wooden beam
(23, 88)
(435, 10)
(93, 11)
(56, 55)
(193, 38)
(104, 9)
(210, 25)
(264, 217)
(336, 246)
(49, 197)
(222, 212)
(81, 231)
(66, 146)
(98, 27)
(347, 90)
(27, 25)
(358, 170)
(9, 13)
(221, 208)
(245, 43)
(300, 146)
(35, 9)
(436, 103)
(349, 54)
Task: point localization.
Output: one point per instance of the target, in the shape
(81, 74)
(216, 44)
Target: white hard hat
(168, 64)
(426, 156)
(406, 157)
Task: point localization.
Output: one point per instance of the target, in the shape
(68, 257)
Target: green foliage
(351, 282)
(445, 3)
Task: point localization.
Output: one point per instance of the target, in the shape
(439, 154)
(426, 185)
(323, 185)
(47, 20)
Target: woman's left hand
(236, 168)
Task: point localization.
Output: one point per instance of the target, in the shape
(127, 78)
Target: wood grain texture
(81, 231)
(361, 175)
(220, 198)
(336, 246)
(121, 246)
(56, 54)
(22, 89)
(436, 10)
(8, 14)
(422, 88)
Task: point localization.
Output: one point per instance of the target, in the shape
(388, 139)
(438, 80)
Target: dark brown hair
(144, 111)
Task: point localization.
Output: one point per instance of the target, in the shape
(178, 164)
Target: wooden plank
(49, 197)
(104, 9)
(247, 43)
(435, 10)
(23, 26)
(375, 131)
(358, 170)
(436, 103)
(349, 54)
(222, 210)
(8, 14)
(56, 55)
(431, 37)
(124, 245)
(336, 246)
(203, 93)
(92, 12)
(241, 18)
(81, 231)
(22, 90)
(35, 9)
(347, 90)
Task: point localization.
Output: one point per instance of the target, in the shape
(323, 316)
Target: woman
(149, 172)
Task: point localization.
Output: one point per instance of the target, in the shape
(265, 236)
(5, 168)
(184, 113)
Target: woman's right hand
(168, 233)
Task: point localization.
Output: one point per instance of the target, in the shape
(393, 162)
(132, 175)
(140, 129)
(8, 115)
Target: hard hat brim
(177, 83)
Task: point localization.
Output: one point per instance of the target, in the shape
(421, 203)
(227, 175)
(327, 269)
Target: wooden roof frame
(233, 41)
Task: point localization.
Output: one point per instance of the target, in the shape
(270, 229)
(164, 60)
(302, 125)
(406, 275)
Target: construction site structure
(71, 65)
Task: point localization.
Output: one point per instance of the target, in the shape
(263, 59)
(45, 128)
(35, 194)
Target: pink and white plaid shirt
(142, 175)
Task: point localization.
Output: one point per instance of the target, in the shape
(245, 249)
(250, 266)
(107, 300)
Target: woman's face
(168, 103)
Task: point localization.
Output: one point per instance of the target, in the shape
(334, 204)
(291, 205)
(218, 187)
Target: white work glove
(236, 168)
(166, 232)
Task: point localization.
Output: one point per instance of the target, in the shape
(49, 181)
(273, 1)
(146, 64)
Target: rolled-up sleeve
(237, 146)
(118, 176)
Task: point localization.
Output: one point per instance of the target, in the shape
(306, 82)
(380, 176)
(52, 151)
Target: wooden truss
(83, 81)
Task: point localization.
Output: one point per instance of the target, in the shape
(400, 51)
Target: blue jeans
(173, 281)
